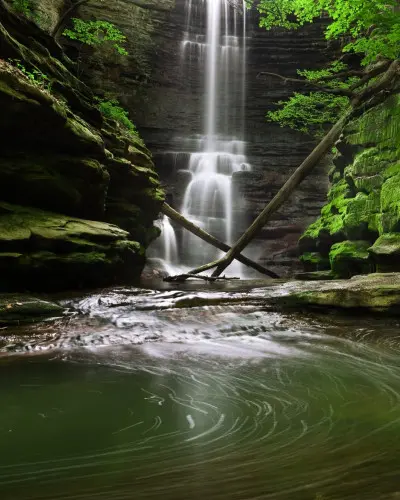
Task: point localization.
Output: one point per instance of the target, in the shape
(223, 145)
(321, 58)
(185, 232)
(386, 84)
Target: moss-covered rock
(61, 155)
(43, 250)
(378, 293)
(16, 309)
(314, 261)
(363, 202)
(349, 258)
(385, 252)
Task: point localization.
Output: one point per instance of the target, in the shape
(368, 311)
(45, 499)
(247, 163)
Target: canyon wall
(166, 104)
(78, 192)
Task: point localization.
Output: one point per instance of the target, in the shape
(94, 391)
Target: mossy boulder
(314, 261)
(42, 250)
(385, 252)
(18, 308)
(349, 258)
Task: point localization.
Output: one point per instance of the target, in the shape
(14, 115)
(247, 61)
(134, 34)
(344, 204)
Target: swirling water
(196, 394)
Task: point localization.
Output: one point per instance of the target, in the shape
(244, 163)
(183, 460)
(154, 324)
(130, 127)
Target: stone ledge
(378, 293)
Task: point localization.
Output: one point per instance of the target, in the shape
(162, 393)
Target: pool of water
(193, 394)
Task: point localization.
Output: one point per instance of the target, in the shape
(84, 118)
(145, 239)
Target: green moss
(83, 132)
(371, 161)
(16, 309)
(390, 194)
(314, 261)
(368, 184)
(385, 252)
(349, 258)
(362, 216)
(392, 170)
(15, 94)
(387, 244)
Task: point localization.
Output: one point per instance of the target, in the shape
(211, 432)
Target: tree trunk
(177, 217)
(283, 194)
(359, 101)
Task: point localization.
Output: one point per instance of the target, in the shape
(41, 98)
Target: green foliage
(97, 33)
(25, 7)
(309, 113)
(34, 75)
(371, 26)
(112, 109)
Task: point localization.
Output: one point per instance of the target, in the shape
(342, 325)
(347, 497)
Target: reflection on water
(153, 395)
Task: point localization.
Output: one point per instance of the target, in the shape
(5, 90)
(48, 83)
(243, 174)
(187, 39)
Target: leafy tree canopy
(372, 27)
(96, 33)
(369, 28)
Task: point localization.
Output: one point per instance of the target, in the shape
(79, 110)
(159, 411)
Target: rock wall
(166, 104)
(359, 228)
(78, 192)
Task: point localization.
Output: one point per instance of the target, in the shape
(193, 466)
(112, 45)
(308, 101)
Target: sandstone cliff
(78, 192)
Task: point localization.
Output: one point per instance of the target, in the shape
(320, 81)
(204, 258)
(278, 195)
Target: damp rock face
(78, 192)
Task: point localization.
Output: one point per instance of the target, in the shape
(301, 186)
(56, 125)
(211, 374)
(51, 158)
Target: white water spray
(219, 52)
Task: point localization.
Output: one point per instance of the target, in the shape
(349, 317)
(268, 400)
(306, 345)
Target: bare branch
(309, 83)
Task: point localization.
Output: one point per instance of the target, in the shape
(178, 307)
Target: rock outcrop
(62, 163)
(358, 231)
(375, 293)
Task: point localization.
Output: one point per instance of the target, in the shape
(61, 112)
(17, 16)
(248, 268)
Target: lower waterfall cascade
(214, 44)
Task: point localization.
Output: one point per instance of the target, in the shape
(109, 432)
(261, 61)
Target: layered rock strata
(166, 101)
(63, 167)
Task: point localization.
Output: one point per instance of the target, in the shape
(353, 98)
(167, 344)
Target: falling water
(214, 44)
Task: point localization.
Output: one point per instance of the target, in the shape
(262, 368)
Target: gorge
(118, 384)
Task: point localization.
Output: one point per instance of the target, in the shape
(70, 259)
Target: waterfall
(214, 44)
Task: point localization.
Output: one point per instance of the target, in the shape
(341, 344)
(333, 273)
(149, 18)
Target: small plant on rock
(97, 33)
(113, 110)
(25, 7)
(35, 76)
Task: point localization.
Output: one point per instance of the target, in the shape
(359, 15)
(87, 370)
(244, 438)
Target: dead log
(180, 278)
(182, 221)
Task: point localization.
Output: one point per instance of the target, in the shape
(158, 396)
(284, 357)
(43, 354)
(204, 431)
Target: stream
(199, 393)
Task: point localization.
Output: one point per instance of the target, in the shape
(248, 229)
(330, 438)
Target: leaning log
(185, 223)
(367, 98)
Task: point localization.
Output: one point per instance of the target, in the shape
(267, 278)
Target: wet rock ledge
(376, 293)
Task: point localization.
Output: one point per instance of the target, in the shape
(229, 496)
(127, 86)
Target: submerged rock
(18, 308)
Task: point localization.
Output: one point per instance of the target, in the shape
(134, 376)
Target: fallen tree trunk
(374, 93)
(180, 278)
(182, 221)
